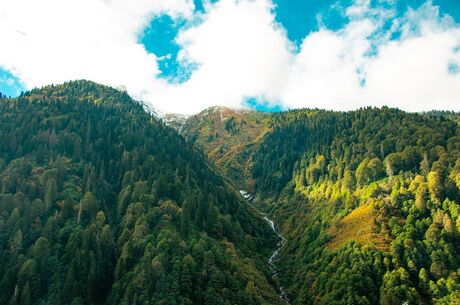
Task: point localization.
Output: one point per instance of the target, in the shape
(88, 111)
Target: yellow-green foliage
(358, 226)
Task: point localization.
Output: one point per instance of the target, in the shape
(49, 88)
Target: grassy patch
(358, 226)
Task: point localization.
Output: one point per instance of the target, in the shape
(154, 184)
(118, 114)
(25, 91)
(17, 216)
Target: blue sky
(185, 55)
(10, 85)
(298, 17)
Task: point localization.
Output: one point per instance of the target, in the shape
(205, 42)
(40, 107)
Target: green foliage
(100, 203)
(346, 139)
(369, 202)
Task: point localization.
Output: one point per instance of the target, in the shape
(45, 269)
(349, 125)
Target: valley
(273, 257)
(103, 202)
(359, 196)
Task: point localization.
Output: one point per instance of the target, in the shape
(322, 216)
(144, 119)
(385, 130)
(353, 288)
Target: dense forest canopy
(100, 203)
(370, 203)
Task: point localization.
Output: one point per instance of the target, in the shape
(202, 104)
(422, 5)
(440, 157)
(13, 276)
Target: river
(272, 260)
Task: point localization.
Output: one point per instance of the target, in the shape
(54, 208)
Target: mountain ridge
(358, 196)
(104, 204)
(228, 137)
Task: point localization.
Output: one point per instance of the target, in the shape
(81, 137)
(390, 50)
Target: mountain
(368, 201)
(176, 121)
(102, 203)
(228, 137)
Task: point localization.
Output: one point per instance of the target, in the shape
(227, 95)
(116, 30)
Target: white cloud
(413, 74)
(334, 69)
(240, 52)
(325, 72)
(52, 41)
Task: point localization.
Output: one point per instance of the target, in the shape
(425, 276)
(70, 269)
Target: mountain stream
(272, 260)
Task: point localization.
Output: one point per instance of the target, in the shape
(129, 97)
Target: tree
(397, 289)
(51, 192)
(41, 253)
(376, 168)
(389, 168)
(16, 243)
(88, 207)
(435, 186)
(363, 173)
(348, 183)
(421, 196)
(425, 165)
(211, 217)
(186, 217)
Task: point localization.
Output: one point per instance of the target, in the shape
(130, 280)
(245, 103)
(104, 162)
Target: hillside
(228, 137)
(369, 202)
(176, 121)
(101, 203)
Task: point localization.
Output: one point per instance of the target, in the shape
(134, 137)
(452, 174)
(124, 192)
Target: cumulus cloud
(360, 65)
(239, 51)
(52, 41)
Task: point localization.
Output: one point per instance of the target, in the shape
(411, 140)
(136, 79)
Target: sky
(182, 56)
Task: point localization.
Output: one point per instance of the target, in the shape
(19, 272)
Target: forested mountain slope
(100, 203)
(228, 137)
(369, 202)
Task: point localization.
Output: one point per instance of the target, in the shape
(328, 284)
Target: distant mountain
(228, 137)
(176, 121)
(101, 203)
